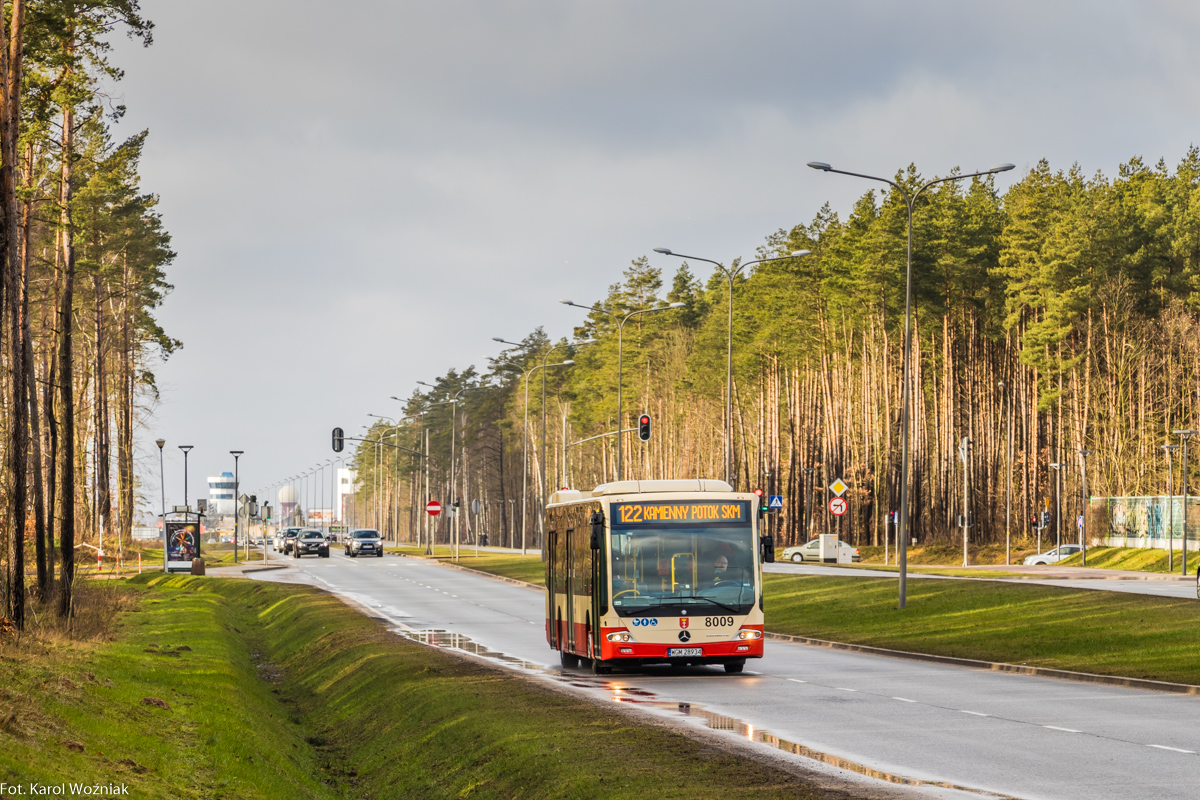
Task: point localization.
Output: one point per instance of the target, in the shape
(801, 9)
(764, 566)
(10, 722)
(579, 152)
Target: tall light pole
(904, 390)
(1057, 467)
(186, 448)
(162, 485)
(730, 273)
(1083, 455)
(453, 403)
(236, 487)
(1185, 435)
(620, 344)
(1170, 449)
(1008, 488)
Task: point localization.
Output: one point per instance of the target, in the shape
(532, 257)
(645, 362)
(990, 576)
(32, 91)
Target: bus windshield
(683, 568)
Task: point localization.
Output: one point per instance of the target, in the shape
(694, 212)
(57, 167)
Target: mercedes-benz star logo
(684, 636)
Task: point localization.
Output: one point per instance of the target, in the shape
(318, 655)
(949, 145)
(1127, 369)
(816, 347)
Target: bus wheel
(568, 660)
(600, 667)
(734, 667)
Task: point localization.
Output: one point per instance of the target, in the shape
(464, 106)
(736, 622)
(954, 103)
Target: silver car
(1054, 556)
(364, 542)
(811, 552)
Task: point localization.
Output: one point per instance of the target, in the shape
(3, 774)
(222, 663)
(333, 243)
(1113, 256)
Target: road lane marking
(797, 680)
(974, 713)
(1064, 730)
(844, 689)
(904, 700)
(1172, 749)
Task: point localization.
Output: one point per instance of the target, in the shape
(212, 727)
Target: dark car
(282, 536)
(364, 542)
(289, 536)
(310, 543)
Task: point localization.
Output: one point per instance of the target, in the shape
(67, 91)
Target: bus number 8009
(718, 622)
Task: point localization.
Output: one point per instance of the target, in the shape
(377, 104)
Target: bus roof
(641, 487)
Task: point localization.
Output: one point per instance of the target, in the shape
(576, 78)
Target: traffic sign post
(838, 506)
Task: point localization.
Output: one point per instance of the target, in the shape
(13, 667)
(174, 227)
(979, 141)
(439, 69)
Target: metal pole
(964, 451)
(1084, 512)
(620, 423)
(904, 400)
(525, 466)
(236, 516)
(729, 387)
(428, 519)
(454, 470)
(1008, 488)
(1185, 435)
(163, 489)
(1169, 449)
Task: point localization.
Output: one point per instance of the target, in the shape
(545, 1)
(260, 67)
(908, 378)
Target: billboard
(183, 544)
(320, 517)
(1150, 519)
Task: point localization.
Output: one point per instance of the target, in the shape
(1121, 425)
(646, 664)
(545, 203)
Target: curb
(997, 666)
(491, 575)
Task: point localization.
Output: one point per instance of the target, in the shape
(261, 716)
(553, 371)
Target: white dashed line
(1172, 749)
(1064, 730)
(974, 713)
(904, 700)
(844, 689)
(796, 680)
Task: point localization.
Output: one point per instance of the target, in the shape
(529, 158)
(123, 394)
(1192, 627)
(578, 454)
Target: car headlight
(747, 634)
(620, 636)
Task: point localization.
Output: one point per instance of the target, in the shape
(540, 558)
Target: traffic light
(1045, 519)
(644, 427)
(762, 501)
(339, 440)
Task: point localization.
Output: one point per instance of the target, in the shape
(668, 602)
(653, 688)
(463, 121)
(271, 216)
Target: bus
(655, 572)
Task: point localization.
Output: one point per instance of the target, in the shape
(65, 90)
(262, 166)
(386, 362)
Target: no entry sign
(837, 506)
(433, 508)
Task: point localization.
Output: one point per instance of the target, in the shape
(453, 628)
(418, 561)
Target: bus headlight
(747, 634)
(620, 636)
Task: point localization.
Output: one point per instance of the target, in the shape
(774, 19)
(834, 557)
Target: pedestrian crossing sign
(775, 502)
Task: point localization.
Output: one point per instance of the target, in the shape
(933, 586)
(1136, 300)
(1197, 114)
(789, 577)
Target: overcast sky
(363, 193)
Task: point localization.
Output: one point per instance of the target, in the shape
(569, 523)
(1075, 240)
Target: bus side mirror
(768, 549)
(597, 529)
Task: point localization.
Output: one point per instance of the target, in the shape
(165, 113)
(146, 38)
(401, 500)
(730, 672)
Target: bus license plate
(684, 652)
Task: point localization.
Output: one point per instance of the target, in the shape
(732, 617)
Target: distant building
(220, 495)
(347, 485)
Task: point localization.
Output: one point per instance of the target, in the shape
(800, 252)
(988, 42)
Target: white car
(1054, 556)
(811, 552)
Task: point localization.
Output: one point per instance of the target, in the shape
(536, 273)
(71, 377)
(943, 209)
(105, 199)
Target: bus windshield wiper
(641, 611)
(730, 609)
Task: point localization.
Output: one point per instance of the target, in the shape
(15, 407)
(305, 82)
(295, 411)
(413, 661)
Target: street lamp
(186, 448)
(236, 485)
(730, 274)
(1170, 449)
(163, 489)
(1057, 504)
(1083, 455)
(1185, 435)
(904, 390)
(453, 402)
(1008, 488)
(620, 344)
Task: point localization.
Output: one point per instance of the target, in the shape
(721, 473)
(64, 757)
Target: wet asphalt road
(1007, 734)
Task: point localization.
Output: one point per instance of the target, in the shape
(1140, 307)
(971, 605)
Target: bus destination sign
(681, 512)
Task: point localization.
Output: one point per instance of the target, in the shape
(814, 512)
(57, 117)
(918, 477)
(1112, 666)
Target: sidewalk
(1075, 573)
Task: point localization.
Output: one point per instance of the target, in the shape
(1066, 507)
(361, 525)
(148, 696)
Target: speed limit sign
(837, 506)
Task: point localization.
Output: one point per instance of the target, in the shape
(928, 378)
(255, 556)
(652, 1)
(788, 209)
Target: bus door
(596, 558)
(552, 578)
(570, 620)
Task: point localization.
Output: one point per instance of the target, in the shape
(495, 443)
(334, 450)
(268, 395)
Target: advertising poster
(183, 544)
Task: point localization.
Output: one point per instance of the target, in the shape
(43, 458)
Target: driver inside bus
(720, 567)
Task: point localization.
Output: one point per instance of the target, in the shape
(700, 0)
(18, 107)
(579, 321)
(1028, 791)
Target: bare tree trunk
(66, 461)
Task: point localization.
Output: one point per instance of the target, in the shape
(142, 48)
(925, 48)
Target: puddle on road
(621, 692)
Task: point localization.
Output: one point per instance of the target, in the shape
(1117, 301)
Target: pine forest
(1056, 319)
(84, 253)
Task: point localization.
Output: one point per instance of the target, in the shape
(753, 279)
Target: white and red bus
(654, 572)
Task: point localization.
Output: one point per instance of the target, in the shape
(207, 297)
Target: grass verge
(1132, 558)
(1111, 633)
(223, 688)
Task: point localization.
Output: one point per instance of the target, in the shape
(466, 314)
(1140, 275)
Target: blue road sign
(776, 501)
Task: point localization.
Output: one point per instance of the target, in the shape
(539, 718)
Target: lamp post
(1185, 435)
(808, 471)
(236, 511)
(525, 446)
(1083, 455)
(163, 489)
(730, 273)
(620, 344)
(186, 448)
(1057, 467)
(904, 390)
(453, 403)
(1008, 488)
(1170, 449)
